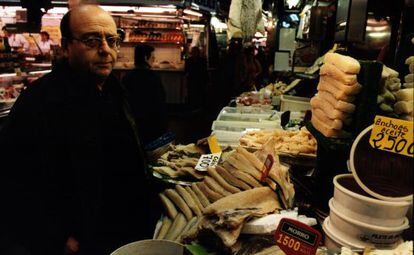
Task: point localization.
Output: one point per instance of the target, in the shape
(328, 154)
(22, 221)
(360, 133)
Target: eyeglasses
(95, 42)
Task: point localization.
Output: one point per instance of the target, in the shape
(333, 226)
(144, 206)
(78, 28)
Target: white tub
(333, 242)
(150, 247)
(367, 209)
(363, 234)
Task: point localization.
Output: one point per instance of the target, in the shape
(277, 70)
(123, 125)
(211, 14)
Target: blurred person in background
(16, 41)
(74, 179)
(45, 42)
(252, 69)
(197, 77)
(147, 95)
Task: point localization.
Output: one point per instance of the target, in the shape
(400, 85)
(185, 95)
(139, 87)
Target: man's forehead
(101, 23)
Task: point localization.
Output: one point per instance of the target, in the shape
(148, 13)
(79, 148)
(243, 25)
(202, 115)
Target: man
(16, 40)
(147, 94)
(73, 168)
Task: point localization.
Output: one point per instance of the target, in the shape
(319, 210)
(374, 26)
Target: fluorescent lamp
(193, 13)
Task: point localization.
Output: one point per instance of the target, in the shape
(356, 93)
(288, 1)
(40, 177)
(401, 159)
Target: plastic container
(227, 138)
(150, 247)
(295, 104)
(239, 126)
(354, 203)
(333, 242)
(386, 178)
(248, 109)
(363, 234)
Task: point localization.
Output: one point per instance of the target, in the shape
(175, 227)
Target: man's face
(96, 23)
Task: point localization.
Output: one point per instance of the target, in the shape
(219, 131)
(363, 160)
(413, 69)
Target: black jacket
(72, 166)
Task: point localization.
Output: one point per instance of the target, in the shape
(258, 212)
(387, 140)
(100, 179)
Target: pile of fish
(230, 194)
(180, 161)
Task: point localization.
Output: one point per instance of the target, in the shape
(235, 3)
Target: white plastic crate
(293, 103)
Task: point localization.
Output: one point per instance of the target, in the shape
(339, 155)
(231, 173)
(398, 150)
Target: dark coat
(72, 167)
(148, 105)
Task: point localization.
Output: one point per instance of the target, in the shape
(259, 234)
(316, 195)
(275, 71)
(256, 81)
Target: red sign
(266, 167)
(295, 238)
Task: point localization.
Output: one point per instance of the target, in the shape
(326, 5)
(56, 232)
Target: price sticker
(266, 167)
(296, 238)
(208, 160)
(213, 144)
(392, 135)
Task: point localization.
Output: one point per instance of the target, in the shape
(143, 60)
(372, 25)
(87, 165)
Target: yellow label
(213, 144)
(392, 135)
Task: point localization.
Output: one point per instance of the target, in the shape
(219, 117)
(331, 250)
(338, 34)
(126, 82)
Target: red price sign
(266, 167)
(295, 238)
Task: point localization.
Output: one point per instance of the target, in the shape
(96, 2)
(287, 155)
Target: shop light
(58, 10)
(119, 8)
(197, 25)
(5, 75)
(217, 24)
(378, 34)
(294, 17)
(195, 6)
(193, 13)
(59, 2)
(157, 10)
(40, 72)
(285, 24)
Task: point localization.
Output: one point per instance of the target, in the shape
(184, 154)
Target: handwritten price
(395, 145)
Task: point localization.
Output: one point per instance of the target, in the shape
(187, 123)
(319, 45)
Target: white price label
(208, 160)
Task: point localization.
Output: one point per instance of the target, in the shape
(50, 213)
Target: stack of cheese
(404, 105)
(332, 107)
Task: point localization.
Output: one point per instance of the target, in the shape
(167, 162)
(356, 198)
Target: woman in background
(147, 95)
(45, 42)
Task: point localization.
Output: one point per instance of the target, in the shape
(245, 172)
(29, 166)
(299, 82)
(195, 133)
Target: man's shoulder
(44, 89)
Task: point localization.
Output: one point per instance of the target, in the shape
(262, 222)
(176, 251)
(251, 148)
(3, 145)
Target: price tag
(266, 167)
(392, 135)
(296, 238)
(213, 144)
(208, 160)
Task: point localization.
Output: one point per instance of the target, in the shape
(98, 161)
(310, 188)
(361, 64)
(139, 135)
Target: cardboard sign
(266, 167)
(213, 144)
(208, 160)
(296, 238)
(392, 135)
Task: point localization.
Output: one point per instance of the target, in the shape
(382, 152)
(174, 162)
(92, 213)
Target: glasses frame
(100, 39)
